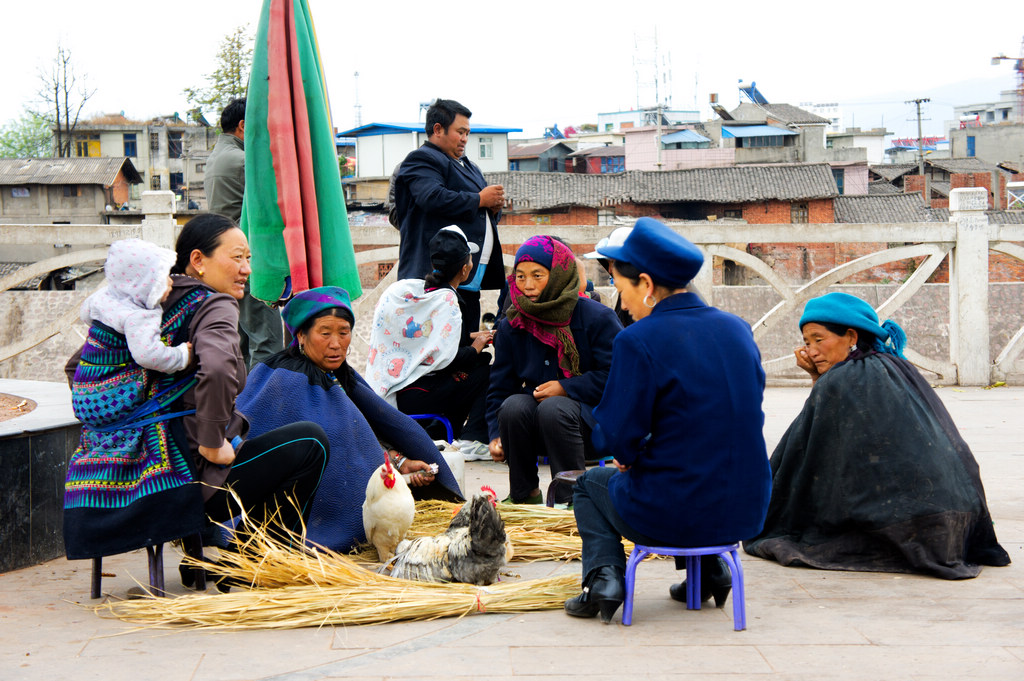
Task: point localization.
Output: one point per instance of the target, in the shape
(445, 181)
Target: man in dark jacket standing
(261, 332)
(436, 186)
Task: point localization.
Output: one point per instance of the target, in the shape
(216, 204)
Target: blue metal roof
(405, 128)
(754, 131)
(683, 136)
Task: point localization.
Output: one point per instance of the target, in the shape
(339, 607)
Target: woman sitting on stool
(552, 352)
(681, 414)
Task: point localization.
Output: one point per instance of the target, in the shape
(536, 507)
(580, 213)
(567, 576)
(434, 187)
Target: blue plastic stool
(437, 417)
(729, 552)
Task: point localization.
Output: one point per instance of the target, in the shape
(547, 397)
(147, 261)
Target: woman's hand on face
(222, 456)
(549, 389)
(803, 360)
(496, 450)
(422, 476)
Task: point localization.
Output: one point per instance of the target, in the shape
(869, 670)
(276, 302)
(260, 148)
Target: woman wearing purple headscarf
(552, 353)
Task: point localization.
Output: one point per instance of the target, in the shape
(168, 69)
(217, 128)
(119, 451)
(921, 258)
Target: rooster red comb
(387, 473)
(490, 493)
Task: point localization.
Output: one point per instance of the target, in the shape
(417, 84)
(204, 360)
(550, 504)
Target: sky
(532, 64)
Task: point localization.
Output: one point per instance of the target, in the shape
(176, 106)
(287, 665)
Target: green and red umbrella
(294, 208)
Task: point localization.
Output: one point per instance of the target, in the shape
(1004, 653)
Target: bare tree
(229, 79)
(63, 100)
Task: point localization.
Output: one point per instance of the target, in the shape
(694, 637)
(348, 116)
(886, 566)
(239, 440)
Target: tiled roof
(102, 171)
(874, 208)
(891, 171)
(533, 150)
(784, 113)
(787, 113)
(940, 188)
(995, 217)
(968, 165)
(597, 152)
(883, 187)
(732, 184)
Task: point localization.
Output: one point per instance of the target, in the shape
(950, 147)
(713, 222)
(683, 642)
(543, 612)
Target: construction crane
(1019, 68)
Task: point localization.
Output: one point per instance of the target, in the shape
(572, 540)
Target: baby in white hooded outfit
(138, 280)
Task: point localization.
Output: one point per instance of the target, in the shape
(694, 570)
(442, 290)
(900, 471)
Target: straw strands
(292, 586)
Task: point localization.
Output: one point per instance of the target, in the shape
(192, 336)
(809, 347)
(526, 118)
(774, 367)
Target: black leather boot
(715, 582)
(603, 592)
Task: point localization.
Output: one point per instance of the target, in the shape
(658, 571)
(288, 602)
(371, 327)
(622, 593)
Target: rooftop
(99, 170)
(732, 184)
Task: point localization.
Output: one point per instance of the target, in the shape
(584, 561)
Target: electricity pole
(920, 141)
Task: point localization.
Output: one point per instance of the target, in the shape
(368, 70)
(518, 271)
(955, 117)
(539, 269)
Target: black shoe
(604, 591)
(715, 582)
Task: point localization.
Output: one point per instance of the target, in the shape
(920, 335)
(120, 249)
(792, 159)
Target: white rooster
(388, 510)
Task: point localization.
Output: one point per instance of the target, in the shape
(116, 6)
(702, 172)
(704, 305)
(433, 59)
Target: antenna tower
(358, 107)
(1019, 68)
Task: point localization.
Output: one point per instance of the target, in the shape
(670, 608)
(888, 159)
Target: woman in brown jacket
(136, 485)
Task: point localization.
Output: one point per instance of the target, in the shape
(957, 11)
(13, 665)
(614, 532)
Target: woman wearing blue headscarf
(311, 379)
(873, 475)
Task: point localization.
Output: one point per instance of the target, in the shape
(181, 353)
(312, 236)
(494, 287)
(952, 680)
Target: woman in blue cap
(873, 475)
(681, 414)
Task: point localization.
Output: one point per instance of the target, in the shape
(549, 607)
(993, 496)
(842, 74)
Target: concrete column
(968, 287)
(704, 280)
(159, 226)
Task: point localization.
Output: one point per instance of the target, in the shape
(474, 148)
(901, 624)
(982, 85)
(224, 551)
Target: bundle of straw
(293, 586)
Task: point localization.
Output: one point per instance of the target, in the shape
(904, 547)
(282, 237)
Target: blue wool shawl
(290, 388)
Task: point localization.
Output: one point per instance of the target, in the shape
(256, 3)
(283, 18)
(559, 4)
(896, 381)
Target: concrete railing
(967, 240)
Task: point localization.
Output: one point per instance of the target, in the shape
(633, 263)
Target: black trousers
(553, 428)
(459, 396)
(277, 472)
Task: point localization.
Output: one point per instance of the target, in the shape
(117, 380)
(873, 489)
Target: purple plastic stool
(728, 552)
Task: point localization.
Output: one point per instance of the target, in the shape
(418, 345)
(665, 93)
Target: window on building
(87, 146)
(839, 175)
(1006, 114)
(605, 218)
(136, 192)
(174, 148)
(154, 143)
(177, 180)
(383, 268)
(798, 213)
(553, 165)
(154, 182)
(613, 164)
(761, 141)
(990, 115)
(20, 192)
(513, 165)
(486, 147)
(200, 167)
(829, 143)
(72, 190)
(131, 147)
(608, 127)
(733, 213)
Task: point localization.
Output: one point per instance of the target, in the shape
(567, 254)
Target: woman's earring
(200, 273)
(652, 298)
(852, 348)
(302, 349)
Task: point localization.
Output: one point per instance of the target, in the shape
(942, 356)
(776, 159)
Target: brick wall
(914, 183)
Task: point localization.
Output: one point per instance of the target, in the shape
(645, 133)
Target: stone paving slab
(801, 624)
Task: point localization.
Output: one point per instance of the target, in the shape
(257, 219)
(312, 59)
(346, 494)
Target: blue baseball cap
(671, 259)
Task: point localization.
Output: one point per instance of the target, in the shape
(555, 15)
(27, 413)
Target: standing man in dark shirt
(259, 324)
(437, 186)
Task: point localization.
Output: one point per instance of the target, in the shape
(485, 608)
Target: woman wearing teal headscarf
(312, 380)
(873, 475)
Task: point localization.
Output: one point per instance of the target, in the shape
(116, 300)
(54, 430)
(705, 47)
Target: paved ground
(802, 624)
